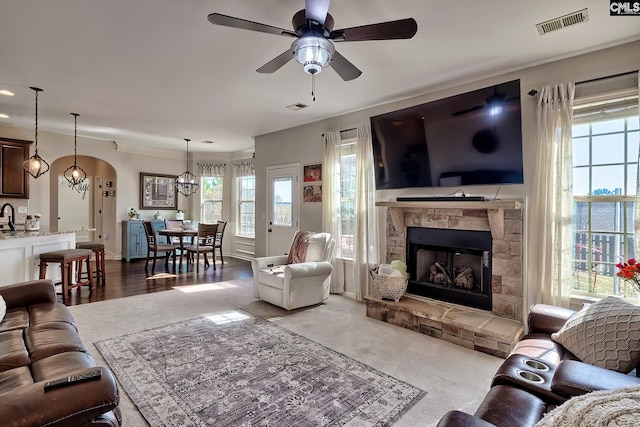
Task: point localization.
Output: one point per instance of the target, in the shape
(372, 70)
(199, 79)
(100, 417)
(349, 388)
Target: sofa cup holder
(536, 364)
(530, 376)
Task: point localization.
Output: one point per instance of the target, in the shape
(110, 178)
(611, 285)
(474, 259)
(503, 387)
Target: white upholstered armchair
(297, 284)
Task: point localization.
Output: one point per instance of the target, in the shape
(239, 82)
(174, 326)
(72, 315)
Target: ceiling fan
(314, 34)
(495, 102)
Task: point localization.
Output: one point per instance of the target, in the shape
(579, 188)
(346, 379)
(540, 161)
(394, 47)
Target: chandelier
(74, 173)
(187, 183)
(36, 165)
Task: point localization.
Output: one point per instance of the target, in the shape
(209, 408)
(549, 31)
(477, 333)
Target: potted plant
(133, 214)
(180, 215)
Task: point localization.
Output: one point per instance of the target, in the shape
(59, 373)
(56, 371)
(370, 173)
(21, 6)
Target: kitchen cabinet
(134, 240)
(14, 180)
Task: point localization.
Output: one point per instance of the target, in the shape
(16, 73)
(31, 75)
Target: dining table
(180, 233)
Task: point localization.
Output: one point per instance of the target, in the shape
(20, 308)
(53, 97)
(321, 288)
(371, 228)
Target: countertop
(45, 230)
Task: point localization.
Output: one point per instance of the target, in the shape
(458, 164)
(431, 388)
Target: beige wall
(304, 144)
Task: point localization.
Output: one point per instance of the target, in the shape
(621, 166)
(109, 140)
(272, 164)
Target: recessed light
(3, 116)
(206, 142)
(6, 92)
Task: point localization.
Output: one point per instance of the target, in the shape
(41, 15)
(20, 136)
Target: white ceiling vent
(297, 106)
(563, 21)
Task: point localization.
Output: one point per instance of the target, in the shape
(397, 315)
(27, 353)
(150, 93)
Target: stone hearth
(494, 332)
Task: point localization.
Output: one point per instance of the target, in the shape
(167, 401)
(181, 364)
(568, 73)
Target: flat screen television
(474, 138)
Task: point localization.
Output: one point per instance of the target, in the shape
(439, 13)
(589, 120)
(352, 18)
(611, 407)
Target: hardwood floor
(126, 279)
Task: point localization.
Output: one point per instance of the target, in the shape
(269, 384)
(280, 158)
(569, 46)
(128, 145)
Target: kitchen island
(20, 251)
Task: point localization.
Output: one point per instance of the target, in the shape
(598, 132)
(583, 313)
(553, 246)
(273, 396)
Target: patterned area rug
(235, 369)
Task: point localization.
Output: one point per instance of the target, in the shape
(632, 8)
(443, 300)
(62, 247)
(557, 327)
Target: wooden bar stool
(99, 271)
(66, 258)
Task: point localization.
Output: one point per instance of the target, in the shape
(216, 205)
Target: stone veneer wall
(506, 230)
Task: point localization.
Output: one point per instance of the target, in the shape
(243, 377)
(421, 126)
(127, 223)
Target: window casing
(246, 206)
(211, 199)
(605, 141)
(347, 197)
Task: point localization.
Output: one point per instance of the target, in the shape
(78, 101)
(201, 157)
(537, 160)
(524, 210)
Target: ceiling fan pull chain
(313, 87)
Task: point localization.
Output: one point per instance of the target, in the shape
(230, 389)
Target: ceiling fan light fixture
(313, 52)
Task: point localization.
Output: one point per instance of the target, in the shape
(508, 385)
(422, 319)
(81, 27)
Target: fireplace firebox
(450, 265)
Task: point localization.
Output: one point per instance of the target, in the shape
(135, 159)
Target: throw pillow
(605, 334)
(3, 308)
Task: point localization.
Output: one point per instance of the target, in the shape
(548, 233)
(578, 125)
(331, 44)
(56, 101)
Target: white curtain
(212, 169)
(244, 168)
(331, 205)
(366, 251)
(551, 210)
(636, 220)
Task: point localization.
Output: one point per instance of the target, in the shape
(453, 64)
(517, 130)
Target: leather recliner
(39, 342)
(538, 375)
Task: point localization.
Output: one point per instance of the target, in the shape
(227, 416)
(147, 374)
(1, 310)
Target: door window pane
(282, 198)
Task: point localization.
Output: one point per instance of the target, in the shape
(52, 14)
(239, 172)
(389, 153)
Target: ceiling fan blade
(243, 24)
(343, 67)
(276, 63)
(400, 29)
(316, 10)
(468, 110)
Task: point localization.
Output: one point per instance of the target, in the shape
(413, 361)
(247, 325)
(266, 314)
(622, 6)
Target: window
(211, 199)
(246, 206)
(347, 197)
(605, 166)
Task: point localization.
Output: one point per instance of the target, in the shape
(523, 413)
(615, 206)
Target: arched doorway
(92, 204)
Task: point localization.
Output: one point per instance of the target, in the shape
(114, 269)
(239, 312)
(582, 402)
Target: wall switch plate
(23, 209)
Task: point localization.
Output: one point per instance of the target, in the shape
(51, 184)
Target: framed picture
(312, 193)
(313, 173)
(158, 191)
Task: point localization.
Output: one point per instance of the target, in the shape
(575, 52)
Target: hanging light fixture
(74, 173)
(36, 165)
(187, 183)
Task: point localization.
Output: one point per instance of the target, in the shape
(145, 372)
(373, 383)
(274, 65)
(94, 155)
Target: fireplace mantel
(495, 211)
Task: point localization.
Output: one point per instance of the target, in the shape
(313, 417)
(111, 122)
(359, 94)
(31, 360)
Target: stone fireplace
(429, 237)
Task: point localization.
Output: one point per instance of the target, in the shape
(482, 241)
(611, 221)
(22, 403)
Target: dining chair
(154, 247)
(219, 235)
(205, 244)
(173, 223)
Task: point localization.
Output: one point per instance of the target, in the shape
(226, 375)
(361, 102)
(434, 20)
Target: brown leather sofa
(39, 342)
(538, 375)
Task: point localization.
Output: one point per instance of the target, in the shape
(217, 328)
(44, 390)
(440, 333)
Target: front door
(284, 207)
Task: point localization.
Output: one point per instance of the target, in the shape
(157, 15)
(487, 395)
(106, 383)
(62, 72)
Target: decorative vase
(180, 216)
(157, 215)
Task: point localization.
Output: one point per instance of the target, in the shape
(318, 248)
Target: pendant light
(74, 173)
(187, 183)
(36, 165)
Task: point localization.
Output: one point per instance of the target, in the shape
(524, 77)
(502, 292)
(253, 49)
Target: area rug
(235, 369)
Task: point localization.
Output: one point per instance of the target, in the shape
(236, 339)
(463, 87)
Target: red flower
(630, 271)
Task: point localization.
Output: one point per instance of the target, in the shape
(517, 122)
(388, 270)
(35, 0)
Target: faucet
(12, 218)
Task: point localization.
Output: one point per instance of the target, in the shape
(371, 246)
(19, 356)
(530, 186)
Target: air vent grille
(563, 21)
(297, 106)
